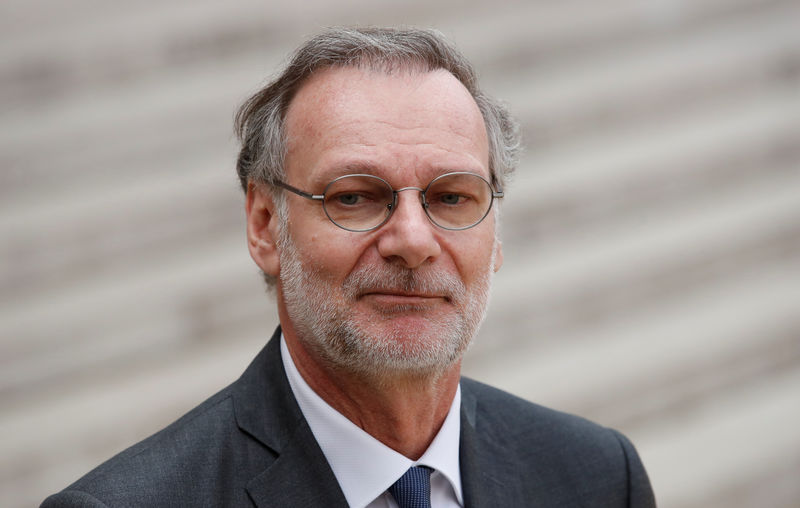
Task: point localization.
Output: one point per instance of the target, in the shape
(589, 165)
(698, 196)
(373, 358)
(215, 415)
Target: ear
(498, 255)
(261, 229)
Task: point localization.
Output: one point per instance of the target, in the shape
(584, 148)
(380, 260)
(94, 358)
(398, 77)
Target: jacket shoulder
(206, 457)
(186, 462)
(553, 451)
(503, 413)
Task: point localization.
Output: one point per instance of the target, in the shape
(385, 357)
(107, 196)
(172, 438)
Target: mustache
(395, 278)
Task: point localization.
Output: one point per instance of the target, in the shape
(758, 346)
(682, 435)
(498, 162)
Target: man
(371, 168)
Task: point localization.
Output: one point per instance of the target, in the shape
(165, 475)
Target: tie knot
(413, 489)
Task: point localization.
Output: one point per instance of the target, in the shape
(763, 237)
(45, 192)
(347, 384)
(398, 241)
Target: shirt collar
(363, 466)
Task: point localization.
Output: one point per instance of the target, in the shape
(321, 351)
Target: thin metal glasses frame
(393, 205)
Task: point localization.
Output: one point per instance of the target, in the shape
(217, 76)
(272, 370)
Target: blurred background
(651, 236)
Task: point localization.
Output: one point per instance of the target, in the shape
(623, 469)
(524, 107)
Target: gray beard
(323, 317)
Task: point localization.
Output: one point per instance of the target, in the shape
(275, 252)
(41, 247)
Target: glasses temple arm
(317, 197)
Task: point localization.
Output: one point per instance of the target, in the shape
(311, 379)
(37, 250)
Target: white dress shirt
(364, 467)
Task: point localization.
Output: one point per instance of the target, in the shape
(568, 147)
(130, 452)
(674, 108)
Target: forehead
(406, 117)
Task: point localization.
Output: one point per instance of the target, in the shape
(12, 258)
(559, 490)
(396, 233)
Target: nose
(408, 236)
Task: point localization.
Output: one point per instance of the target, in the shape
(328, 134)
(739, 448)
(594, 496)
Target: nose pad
(423, 202)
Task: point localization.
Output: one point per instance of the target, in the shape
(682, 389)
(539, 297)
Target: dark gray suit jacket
(249, 445)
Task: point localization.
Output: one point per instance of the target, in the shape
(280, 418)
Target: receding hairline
(384, 49)
(321, 74)
(327, 93)
(381, 65)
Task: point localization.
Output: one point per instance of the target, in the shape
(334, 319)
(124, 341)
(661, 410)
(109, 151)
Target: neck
(403, 411)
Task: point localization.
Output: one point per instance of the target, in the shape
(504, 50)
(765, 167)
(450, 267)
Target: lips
(390, 282)
(401, 295)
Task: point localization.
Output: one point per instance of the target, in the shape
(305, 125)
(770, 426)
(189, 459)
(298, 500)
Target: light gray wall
(651, 235)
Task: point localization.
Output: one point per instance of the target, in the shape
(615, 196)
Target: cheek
(331, 256)
(321, 247)
(474, 257)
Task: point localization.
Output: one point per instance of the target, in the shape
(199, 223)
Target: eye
(348, 199)
(353, 198)
(450, 198)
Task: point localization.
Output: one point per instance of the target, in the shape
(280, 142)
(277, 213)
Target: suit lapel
(485, 476)
(300, 476)
(505, 462)
(296, 472)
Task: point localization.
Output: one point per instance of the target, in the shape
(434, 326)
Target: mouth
(403, 297)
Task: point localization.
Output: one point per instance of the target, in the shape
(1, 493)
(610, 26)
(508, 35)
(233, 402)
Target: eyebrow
(370, 168)
(347, 168)
(357, 166)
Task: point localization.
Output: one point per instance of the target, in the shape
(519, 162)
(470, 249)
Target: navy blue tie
(413, 489)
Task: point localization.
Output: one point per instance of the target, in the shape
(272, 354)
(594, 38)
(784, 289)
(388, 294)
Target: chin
(401, 345)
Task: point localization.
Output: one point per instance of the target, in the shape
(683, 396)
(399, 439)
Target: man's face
(408, 296)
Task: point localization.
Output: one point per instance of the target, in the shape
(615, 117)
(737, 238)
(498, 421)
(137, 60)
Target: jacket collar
(483, 471)
(297, 473)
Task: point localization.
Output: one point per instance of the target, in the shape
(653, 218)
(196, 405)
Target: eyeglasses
(453, 201)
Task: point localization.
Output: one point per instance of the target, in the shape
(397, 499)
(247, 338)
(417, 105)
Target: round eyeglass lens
(458, 200)
(358, 202)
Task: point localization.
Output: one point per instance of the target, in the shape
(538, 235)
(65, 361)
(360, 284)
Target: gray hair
(260, 120)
